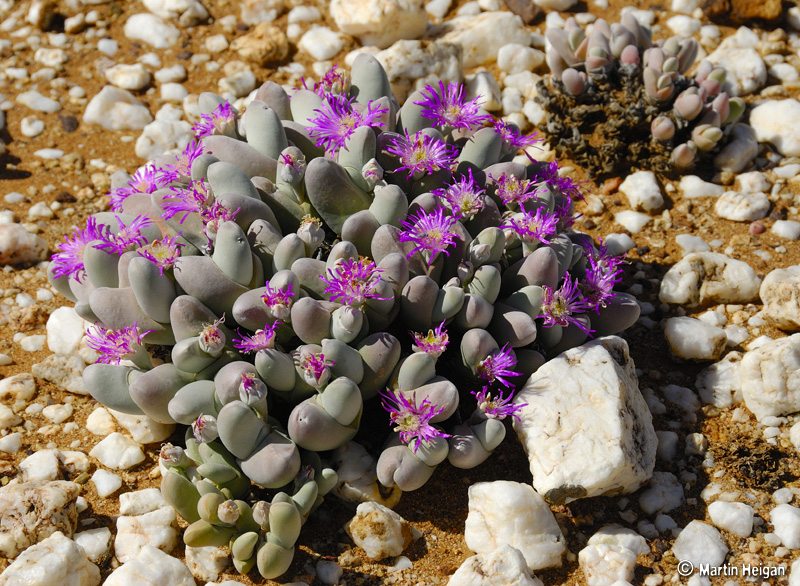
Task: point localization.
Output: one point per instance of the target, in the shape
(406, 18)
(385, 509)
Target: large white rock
(18, 246)
(778, 122)
(95, 542)
(770, 384)
(56, 560)
(49, 464)
(481, 36)
(692, 186)
(162, 136)
(141, 501)
(693, 339)
(745, 70)
(186, 12)
(65, 328)
(118, 452)
(643, 191)
(505, 566)
(780, 293)
(379, 531)
(586, 427)
(143, 429)
(700, 544)
(380, 22)
(706, 278)
(152, 567)
(411, 65)
(786, 522)
(620, 536)
(207, 563)
(151, 29)
(736, 518)
(65, 371)
(117, 109)
(157, 529)
(742, 207)
(720, 384)
(605, 564)
(511, 513)
(515, 58)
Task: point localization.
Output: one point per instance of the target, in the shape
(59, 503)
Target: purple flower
(337, 118)
(412, 421)
(434, 343)
(261, 340)
(498, 365)
(513, 138)
(336, 81)
(548, 173)
(421, 153)
(278, 301)
(316, 369)
(145, 180)
(352, 281)
(603, 273)
(215, 215)
(220, 121)
(185, 200)
(69, 262)
(163, 253)
(182, 168)
(252, 389)
(293, 168)
(205, 429)
(498, 407)
(430, 232)
(212, 339)
(115, 345)
(564, 213)
(533, 227)
(448, 108)
(127, 237)
(511, 190)
(464, 198)
(560, 305)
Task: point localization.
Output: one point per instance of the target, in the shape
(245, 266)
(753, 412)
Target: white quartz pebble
(106, 483)
(692, 339)
(736, 518)
(118, 452)
(786, 522)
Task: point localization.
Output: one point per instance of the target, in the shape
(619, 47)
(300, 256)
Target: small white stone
(173, 74)
(173, 92)
(143, 429)
(152, 567)
(40, 211)
(692, 186)
(685, 6)
(742, 207)
(776, 121)
(786, 522)
(33, 343)
(618, 244)
(300, 14)
(692, 339)
(216, 43)
(505, 566)
(720, 383)
(117, 109)
(483, 86)
(699, 543)
(788, 229)
(780, 293)
(142, 501)
(515, 57)
(58, 413)
(95, 542)
(691, 243)
(54, 560)
(152, 30)
(559, 5)
(36, 101)
(696, 444)
(118, 452)
(379, 531)
(664, 494)
(161, 136)
(128, 77)
(684, 26)
(238, 84)
(603, 564)
(31, 126)
(65, 328)
(746, 71)
(108, 46)
(11, 443)
(106, 483)
(49, 153)
(667, 445)
(620, 536)
(329, 572)
(741, 149)
(158, 528)
(632, 221)
(321, 43)
(207, 563)
(703, 278)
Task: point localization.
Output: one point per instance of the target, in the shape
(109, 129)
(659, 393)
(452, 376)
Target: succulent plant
(617, 96)
(326, 255)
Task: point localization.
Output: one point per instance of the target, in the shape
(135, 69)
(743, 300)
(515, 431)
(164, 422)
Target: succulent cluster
(617, 96)
(300, 270)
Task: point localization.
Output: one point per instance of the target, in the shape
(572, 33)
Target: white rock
(632, 221)
(321, 43)
(770, 385)
(746, 71)
(380, 22)
(742, 207)
(720, 384)
(18, 246)
(257, 11)
(782, 496)
(118, 452)
(685, 6)
(622, 537)
(55, 560)
(330, 572)
(692, 186)
(58, 413)
(187, 12)
(128, 77)
(65, 328)
(592, 433)
(663, 494)
(691, 243)
(736, 518)
(643, 191)
(47, 464)
(173, 74)
(117, 109)
(36, 101)
(742, 148)
(143, 429)
(20, 387)
(699, 543)
(161, 136)
(238, 84)
(207, 563)
(667, 445)
(786, 522)
(152, 567)
(482, 36)
(379, 531)
(785, 72)
(559, 5)
(605, 564)
(173, 92)
(64, 371)
(300, 14)
(618, 244)
(95, 542)
(411, 65)
(788, 229)
(106, 483)
(753, 182)
(158, 528)
(776, 122)
(684, 26)
(8, 418)
(49, 153)
(483, 86)
(11, 443)
(141, 501)
(505, 566)
(151, 29)
(780, 293)
(31, 126)
(108, 46)
(704, 278)
(511, 513)
(693, 339)
(515, 57)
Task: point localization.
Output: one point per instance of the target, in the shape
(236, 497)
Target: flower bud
(174, 456)
(205, 429)
(372, 172)
(311, 233)
(212, 340)
(228, 512)
(252, 389)
(663, 128)
(261, 514)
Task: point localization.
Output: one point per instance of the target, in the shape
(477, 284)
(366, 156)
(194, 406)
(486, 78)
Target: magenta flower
(115, 345)
(182, 168)
(293, 168)
(511, 190)
(421, 153)
(205, 429)
(338, 118)
(163, 253)
(448, 108)
(513, 138)
(220, 121)
(215, 215)
(603, 273)
(352, 281)
(464, 198)
(252, 389)
(145, 180)
(498, 365)
(564, 213)
(430, 232)
(549, 174)
(336, 81)
(316, 369)
(560, 306)
(498, 407)
(127, 237)
(412, 421)
(278, 301)
(69, 262)
(212, 339)
(186, 200)
(261, 340)
(434, 343)
(533, 227)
